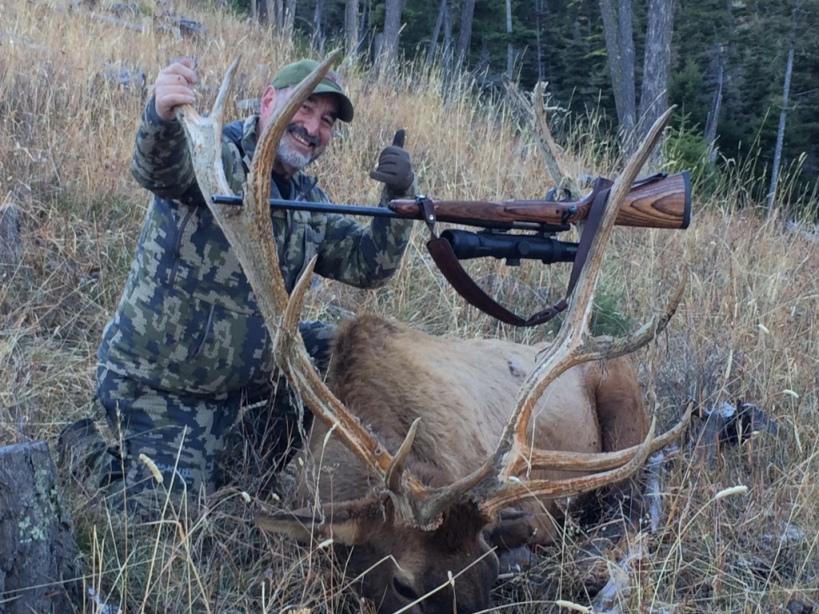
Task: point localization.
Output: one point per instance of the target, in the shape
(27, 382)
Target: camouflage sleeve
(161, 162)
(363, 256)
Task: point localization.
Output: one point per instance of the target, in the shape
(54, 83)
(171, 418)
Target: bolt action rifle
(520, 229)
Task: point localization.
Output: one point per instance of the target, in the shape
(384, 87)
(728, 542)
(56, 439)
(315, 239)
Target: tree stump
(38, 568)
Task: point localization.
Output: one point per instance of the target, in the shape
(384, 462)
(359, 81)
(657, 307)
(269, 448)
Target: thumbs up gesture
(394, 168)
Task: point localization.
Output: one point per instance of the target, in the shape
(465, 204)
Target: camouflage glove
(394, 167)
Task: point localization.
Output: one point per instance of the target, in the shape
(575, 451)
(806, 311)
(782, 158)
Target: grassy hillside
(747, 328)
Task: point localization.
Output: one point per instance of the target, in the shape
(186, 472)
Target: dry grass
(747, 328)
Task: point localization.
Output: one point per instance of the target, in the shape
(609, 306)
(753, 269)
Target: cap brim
(345, 107)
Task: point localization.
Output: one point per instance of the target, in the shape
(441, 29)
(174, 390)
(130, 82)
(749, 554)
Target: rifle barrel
(313, 207)
(364, 210)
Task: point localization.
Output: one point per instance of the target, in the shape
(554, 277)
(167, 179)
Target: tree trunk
(620, 51)
(271, 7)
(364, 21)
(710, 133)
(278, 15)
(261, 11)
(38, 570)
(510, 55)
(783, 114)
(392, 30)
(318, 36)
(351, 26)
(289, 19)
(626, 35)
(656, 67)
(447, 43)
(538, 42)
(465, 33)
(436, 31)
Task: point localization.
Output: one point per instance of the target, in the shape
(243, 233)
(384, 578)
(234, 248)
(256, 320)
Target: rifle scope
(513, 247)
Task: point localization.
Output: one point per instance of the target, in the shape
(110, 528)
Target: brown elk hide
(463, 390)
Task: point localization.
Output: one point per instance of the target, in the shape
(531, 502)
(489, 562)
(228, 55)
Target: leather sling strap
(441, 252)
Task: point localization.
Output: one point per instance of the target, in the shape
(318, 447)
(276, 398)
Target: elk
(475, 439)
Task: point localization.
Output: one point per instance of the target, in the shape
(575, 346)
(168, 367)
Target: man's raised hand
(174, 87)
(394, 168)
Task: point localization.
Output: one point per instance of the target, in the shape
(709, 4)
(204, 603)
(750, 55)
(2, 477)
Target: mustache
(296, 128)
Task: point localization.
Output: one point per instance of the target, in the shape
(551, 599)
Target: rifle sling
(450, 266)
(601, 190)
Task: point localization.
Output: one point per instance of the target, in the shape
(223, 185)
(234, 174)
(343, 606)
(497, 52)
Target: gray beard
(292, 158)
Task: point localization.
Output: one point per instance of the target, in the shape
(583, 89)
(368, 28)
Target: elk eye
(403, 589)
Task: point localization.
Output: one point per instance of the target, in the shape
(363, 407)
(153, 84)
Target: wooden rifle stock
(661, 201)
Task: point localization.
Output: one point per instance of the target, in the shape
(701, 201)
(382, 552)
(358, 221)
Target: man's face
(307, 135)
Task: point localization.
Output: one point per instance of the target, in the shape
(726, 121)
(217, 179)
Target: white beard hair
(289, 157)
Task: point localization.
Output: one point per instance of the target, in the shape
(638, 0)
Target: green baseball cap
(293, 74)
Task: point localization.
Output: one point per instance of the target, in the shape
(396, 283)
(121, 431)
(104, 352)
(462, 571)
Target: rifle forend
(660, 201)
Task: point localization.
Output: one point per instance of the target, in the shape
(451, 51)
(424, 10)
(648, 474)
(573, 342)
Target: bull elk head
(414, 506)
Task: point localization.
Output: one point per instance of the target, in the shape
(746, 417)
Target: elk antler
(573, 344)
(534, 114)
(495, 485)
(248, 230)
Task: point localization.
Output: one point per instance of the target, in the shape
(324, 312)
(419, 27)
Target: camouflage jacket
(188, 321)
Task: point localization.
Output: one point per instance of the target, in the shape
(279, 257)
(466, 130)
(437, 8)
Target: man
(187, 348)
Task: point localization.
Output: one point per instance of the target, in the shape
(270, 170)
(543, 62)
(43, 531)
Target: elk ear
(298, 525)
(516, 528)
(345, 524)
(513, 529)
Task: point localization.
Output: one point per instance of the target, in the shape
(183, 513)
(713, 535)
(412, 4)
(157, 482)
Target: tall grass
(747, 328)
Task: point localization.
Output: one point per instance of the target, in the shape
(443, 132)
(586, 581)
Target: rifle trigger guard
(567, 213)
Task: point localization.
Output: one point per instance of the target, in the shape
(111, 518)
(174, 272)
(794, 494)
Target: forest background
(727, 64)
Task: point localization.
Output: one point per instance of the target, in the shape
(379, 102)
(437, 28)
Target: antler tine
(300, 373)
(217, 112)
(515, 490)
(396, 469)
(257, 188)
(434, 501)
(596, 461)
(204, 136)
(288, 328)
(297, 366)
(442, 498)
(610, 347)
